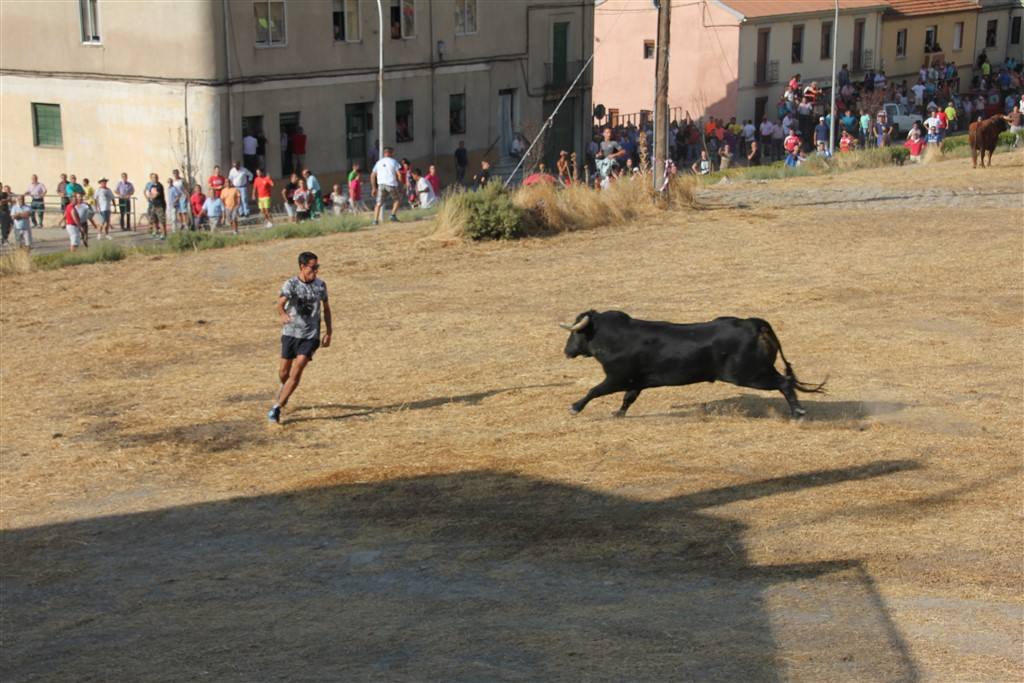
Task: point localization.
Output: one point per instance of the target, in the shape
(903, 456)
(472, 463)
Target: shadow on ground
(759, 407)
(468, 576)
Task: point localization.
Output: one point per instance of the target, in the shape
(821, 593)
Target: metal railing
(561, 74)
(766, 73)
(641, 118)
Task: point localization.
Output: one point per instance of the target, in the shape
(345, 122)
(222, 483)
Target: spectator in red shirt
(216, 182)
(792, 141)
(264, 186)
(298, 145)
(434, 179)
(943, 120)
(72, 223)
(196, 201)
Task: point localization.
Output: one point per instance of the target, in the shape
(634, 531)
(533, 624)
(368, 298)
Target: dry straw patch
(430, 482)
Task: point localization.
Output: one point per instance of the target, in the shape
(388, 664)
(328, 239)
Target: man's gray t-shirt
(610, 147)
(303, 307)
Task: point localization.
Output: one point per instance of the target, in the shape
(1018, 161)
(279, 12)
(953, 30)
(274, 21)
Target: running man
(298, 306)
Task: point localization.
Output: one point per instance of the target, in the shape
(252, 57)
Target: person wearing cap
(104, 206)
(821, 132)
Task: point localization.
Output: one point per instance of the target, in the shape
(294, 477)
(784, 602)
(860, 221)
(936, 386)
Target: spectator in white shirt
(424, 190)
(384, 184)
(240, 178)
(249, 149)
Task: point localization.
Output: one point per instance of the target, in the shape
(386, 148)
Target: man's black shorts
(293, 346)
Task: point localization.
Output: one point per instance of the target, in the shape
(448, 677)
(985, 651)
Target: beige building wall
(703, 57)
(123, 98)
(1002, 13)
(907, 67)
(812, 67)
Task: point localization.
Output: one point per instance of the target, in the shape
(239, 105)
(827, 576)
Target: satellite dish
(599, 111)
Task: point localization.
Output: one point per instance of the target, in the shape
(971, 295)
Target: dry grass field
(431, 511)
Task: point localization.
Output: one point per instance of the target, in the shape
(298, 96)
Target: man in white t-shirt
(424, 190)
(918, 89)
(384, 184)
(240, 177)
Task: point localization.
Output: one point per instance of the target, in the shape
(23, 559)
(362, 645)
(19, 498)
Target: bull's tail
(769, 333)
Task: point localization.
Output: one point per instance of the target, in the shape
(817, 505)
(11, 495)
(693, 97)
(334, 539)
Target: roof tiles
(754, 9)
(915, 8)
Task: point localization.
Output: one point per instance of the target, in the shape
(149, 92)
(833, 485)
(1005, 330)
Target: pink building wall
(703, 59)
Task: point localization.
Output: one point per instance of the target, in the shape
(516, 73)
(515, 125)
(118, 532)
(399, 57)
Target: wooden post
(661, 92)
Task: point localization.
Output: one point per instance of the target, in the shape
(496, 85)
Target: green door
(560, 54)
(355, 130)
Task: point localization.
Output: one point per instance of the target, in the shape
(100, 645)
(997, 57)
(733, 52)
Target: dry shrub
(551, 209)
(452, 218)
(15, 262)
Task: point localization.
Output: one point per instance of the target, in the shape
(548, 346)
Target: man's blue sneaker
(274, 416)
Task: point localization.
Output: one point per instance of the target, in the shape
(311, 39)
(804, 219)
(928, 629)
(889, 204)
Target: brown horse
(984, 136)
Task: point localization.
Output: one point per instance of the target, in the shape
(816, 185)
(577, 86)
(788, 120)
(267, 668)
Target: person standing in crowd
(301, 199)
(22, 215)
(71, 222)
(424, 190)
(434, 179)
(703, 165)
(240, 176)
(355, 189)
(338, 200)
(230, 197)
(562, 168)
(766, 131)
(85, 219)
(72, 188)
(865, 129)
(461, 162)
(89, 192)
(124, 191)
(196, 202)
(754, 155)
(105, 207)
(157, 207)
(384, 184)
(37, 193)
(481, 179)
(62, 192)
(6, 221)
(249, 157)
(288, 194)
(174, 218)
(264, 187)
(216, 182)
(298, 147)
(213, 212)
(316, 198)
(725, 158)
(821, 132)
(298, 306)
(406, 184)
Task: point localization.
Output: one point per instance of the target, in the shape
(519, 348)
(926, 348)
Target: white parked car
(899, 116)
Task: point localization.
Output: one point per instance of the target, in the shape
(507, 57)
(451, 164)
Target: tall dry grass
(15, 262)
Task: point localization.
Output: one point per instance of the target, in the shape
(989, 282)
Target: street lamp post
(380, 80)
(832, 108)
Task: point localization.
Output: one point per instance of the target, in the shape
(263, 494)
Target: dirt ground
(431, 511)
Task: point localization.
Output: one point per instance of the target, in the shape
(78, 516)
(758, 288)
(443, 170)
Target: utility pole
(661, 92)
(832, 107)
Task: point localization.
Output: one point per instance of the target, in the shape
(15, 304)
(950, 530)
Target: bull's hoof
(618, 413)
(798, 414)
(574, 411)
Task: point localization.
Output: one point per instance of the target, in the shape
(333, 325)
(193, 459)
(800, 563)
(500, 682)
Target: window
(270, 24)
(403, 19)
(46, 125)
(990, 32)
(465, 16)
(648, 49)
(798, 44)
(901, 43)
(457, 113)
(826, 40)
(403, 121)
(252, 125)
(1015, 31)
(346, 20)
(931, 38)
(958, 35)
(90, 21)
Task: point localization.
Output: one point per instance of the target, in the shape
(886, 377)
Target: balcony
(861, 61)
(560, 75)
(766, 73)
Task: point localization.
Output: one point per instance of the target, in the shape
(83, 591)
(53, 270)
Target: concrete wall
(703, 59)
(907, 67)
(812, 67)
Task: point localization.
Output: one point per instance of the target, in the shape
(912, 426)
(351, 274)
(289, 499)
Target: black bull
(641, 354)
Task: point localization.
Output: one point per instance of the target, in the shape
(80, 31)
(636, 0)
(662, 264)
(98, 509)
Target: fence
(53, 206)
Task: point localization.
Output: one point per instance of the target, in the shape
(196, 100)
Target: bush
(98, 253)
(187, 240)
(490, 214)
(898, 155)
(1007, 138)
(950, 144)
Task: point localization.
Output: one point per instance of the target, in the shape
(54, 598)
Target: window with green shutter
(46, 125)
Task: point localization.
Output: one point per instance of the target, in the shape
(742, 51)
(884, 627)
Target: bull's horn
(578, 326)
